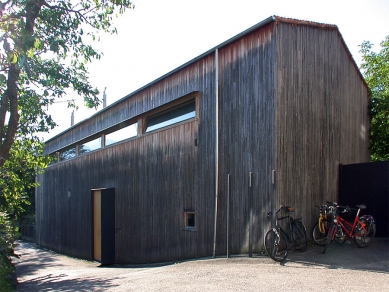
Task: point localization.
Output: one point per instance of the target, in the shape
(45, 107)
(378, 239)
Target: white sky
(160, 35)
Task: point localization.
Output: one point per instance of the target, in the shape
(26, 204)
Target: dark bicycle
(277, 239)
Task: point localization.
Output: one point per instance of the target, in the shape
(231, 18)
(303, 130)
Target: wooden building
(194, 160)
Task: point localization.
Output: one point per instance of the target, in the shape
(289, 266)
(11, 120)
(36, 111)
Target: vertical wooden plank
(321, 113)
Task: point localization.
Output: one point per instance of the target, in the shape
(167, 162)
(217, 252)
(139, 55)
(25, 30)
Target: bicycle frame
(321, 225)
(322, 216)
(282, 230)
(290, 227)
(347, 227)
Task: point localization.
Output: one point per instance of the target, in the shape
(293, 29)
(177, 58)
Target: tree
(43, 53)
(17, 182)
(17, 176)
(7, 244)
(375, 68)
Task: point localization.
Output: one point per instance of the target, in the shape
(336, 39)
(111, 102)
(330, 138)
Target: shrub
(8, 234)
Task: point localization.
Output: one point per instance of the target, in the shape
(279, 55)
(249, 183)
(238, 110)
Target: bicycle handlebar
(344, 209)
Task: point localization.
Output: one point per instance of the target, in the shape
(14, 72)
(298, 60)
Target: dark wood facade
(289, 105)
(321, 115)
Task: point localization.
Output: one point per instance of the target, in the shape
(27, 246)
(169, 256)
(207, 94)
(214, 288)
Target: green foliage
(17, 176)
(375, 69)
(8, 234)
(44, 49)
(44, 46)
(17, 184)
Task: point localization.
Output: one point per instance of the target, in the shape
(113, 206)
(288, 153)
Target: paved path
(342, 268)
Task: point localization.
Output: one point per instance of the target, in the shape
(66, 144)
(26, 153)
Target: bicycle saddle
(362, 206)
(288, 208)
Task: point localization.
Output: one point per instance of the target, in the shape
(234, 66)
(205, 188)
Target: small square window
(190, 219)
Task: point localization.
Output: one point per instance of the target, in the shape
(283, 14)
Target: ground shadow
(39, 269)
(346, 256)
(43, 270)
(61, 283)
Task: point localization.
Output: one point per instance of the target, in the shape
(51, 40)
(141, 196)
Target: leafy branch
(375, 68)
(43, 55)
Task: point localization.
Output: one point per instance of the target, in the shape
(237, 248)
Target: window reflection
(90, 146)
(53, 157)
(122, 134)
(174, 116)
(67, 154)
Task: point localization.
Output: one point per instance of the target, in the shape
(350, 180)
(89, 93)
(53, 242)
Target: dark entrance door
(103, 212)
(367, 183)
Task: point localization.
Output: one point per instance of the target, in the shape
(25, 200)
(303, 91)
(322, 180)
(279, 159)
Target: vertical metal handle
(250, 200)
(228, 213)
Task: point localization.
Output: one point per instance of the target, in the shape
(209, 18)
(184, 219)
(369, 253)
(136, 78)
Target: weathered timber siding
(156, 176)
(169, 89)
(321, 116)
(290, 99)
(246, 129)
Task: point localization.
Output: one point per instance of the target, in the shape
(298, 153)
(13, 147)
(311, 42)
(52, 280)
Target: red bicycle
(362, 230)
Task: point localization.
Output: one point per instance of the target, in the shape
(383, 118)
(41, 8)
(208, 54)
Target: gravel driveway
(342, 268)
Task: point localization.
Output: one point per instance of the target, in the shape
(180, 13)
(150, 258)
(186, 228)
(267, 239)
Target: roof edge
(304, 22)
(325, 26)
(254, 27)
(273, 18)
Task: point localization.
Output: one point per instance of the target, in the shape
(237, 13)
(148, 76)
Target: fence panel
(367, 183)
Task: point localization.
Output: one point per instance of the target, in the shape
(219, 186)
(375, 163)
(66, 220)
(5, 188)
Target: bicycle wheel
(330, 236)
(276, 245)
(299, 236)
(319, 232)
(364, 233)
